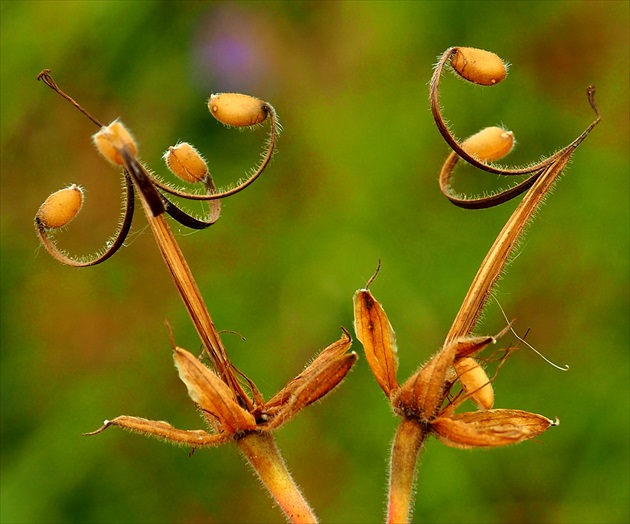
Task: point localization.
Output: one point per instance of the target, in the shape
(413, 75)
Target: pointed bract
(375, 332)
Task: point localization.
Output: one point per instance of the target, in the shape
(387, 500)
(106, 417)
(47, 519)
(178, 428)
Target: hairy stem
(262, 453)
(408, 443)
(499, 254)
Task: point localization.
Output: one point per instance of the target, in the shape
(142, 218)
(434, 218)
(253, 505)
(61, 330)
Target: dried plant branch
(233, 413)
(425, 402)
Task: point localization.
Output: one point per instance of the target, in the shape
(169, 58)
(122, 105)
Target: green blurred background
(354, 181)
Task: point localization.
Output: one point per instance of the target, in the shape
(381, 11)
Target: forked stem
(408, 442)
(262, 453)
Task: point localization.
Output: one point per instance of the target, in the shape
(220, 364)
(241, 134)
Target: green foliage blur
(354, 181)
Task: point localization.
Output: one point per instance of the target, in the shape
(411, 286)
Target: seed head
(112, 138)
(61, 207)
(235, 109)
(185, 162)
(489, 144)
(478, 66)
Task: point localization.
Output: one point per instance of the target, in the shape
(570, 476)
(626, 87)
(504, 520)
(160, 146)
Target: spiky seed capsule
(489, 144)
(61, 207)
(235, 109)
(478, 66)
(185, 162)
(112, 137)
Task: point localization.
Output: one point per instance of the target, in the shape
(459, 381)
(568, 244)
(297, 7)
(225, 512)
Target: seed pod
(61, 207)
(185, 162)
(475, 382)
(235, 109)
(478, 66)
(112, 137)
(489, 144)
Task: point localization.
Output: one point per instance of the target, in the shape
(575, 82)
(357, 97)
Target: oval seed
(61, 207)
(235, 109)
(475, 382)
(185, 162)
(112, 137)
(478, 66)
(489, 144)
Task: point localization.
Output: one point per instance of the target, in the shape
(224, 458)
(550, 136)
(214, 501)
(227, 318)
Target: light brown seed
(61, 207)
(235, 109)
(185, 162)
(113, 137)
(478, 66)
(489, 144)
(475, 382)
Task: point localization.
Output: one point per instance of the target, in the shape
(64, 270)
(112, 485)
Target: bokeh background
(354, 181)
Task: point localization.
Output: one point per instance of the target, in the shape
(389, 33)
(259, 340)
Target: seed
(61, 207)
(475, 382)
(112, 138)
(489, 144)
(235, 109)
(478, 66)
(185, 162)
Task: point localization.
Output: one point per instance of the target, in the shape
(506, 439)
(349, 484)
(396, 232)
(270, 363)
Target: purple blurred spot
(230, 51)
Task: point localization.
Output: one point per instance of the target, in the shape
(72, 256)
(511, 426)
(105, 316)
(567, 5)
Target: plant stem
(262, 453)
(408, 443)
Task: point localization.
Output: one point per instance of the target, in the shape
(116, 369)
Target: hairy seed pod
(185, 162)
(475, 382)
(489, 144)
(235, 109)
(61, 207)
(478, 66)
(112, 137)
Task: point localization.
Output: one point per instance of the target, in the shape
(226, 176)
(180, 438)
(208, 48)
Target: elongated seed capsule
(112, 137)
(235, 109)
(475, 382)
(491, 143)
(61, 207)
(478, 66)
(185, 162)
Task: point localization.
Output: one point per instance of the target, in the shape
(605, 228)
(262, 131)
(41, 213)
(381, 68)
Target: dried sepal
(212, 394)
(321, 381)
(375, 332)
(61, 207)
(164, 431)
(111, 139)
(475, 382)
(489, 144)
(334, 351)
(185, 162)
(478, 66)
(489, 429)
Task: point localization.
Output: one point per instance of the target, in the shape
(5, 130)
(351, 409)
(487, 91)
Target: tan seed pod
(478, 66)
(489, 144)
(475, 382)
(235, 109)
(61, 207)
(112, 137)
(185, 162)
